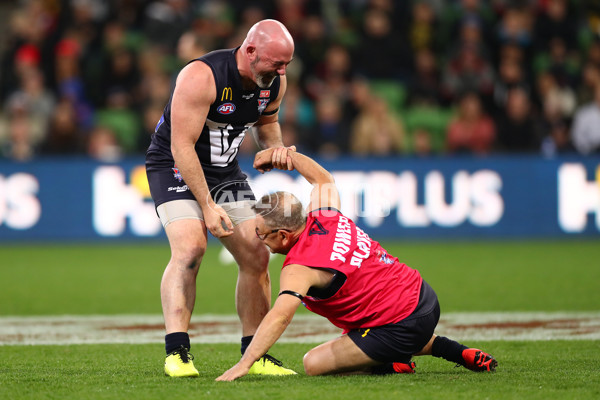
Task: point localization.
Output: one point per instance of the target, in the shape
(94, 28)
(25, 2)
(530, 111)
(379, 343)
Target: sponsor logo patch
(227, 108)
(265, 93)
(227, 94)
(178, 189)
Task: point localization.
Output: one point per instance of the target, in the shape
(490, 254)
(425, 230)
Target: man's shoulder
(194, 75)
(217, 56)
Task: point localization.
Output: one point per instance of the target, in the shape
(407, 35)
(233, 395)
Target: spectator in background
(456, 12)
(516, 125)
(65, 135)
(562, 62)
(165, 21)
(422, 30)
(122, 73)
(590, 79)
(71, 84)
(190, 46)
(19, 134)
(510, 75)
(470, 34)
(555, 20)
(297, 113)
(553, 128)
(330, 75)
(103, 145)
(516, 26)
(586, 126)
(119, 116)
(471, 131)
(422, 142)
(377, 131)
(378, 45)
(468, 70)
(424, 87)
(562, 97)
(29, 34)
(359, 95)
(313, 47)
(329, 135)
(151, 116)
(84, 49)
(34, 97)
(593, 52)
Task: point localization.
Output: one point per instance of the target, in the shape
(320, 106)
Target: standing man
(197, 185)
(386, 309)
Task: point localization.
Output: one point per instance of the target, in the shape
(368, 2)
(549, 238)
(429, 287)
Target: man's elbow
(326, 178)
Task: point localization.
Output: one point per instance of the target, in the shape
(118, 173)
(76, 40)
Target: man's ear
(251, 52)
(286, 237)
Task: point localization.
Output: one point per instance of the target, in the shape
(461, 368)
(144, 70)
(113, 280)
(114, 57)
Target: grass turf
(532, 370)
(125, 279)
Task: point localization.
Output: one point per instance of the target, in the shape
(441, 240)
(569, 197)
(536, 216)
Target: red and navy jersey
(377, 290)
(234, 111)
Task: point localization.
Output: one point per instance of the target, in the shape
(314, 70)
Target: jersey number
(225, 142)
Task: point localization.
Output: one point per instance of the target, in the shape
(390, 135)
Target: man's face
(272, 238)
(262, 74)
(270, 63)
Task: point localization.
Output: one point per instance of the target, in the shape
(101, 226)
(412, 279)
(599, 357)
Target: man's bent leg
(340, 355)
(253, 291)
(187, 239)
(473, 359)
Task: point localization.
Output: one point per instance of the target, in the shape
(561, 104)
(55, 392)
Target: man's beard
(264, 80)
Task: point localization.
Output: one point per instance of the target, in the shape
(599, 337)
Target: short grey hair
(281, 210)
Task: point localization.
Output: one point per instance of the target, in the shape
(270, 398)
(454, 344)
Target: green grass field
(124, 279)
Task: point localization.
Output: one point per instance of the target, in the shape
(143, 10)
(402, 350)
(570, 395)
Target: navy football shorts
(398, 342)
(167, 185)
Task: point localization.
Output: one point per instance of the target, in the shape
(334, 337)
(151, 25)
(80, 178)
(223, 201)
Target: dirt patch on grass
(63, 330)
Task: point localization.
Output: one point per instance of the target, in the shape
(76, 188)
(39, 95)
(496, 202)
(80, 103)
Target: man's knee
(189, 255)
(312, 366)
(254, 258)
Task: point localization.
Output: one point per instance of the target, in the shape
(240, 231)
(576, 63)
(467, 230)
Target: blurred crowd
(369, 77)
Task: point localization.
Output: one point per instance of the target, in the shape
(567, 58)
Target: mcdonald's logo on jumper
(227, 94)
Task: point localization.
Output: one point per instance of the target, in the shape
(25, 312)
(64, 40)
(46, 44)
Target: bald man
(198, 186)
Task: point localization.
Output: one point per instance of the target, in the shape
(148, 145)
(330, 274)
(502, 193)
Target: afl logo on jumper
(226, 108)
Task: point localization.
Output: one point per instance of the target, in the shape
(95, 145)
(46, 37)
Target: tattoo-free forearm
(314, 173)
(190, 168)
(269, 135)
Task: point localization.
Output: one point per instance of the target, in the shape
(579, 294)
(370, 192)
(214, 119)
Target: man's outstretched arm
(296, 278)
(324, 193)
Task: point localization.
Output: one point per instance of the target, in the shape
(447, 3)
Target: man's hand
(217, 221)
(276, 157)
(237, 371)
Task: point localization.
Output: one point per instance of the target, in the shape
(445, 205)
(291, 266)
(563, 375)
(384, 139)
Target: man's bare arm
(268, 129)
(297, 278)
(189, 109)
(324, 193)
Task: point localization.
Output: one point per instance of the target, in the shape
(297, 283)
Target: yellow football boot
(179, 364)
(267, 365)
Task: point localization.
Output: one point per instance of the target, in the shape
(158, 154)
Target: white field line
(63, 330)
